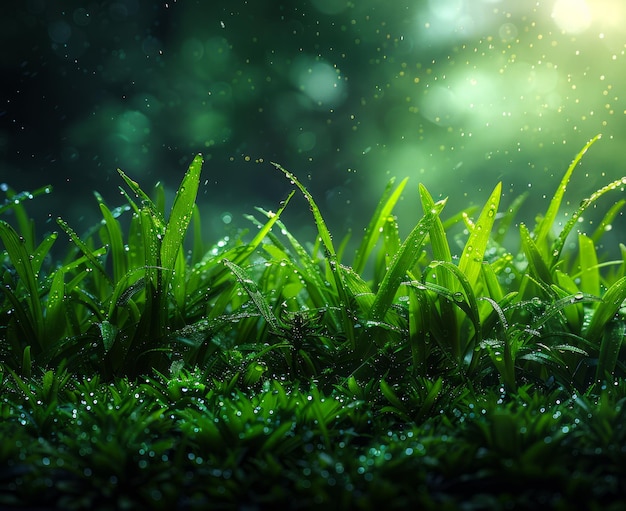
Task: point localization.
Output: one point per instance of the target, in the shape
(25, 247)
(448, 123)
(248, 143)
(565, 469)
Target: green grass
(264, 370)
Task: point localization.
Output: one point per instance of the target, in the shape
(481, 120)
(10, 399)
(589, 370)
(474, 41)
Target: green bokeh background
(457, 94)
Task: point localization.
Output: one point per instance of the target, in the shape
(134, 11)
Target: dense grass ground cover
(148, 369)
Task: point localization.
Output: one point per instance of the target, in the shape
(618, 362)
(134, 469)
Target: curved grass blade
(466, 301)
(547, 222)
(322, 229)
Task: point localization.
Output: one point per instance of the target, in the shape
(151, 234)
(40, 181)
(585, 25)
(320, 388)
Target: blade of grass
(372, 231)
(588, 260)
(474, 250)
(14, 200)
(547, 222)
(466, 301)
(441, 252)
(116, 242)
(180, 214)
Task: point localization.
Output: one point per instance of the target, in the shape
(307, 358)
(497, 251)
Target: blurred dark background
(457, 94)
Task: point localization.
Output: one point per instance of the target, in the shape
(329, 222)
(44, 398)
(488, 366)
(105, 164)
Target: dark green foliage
(263, 370)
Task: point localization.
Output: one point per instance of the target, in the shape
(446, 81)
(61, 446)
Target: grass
(149, 369)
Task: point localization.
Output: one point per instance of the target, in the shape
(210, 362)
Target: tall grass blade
(116, 241)
(180, 214)
(441, 252)
(322, 229)
(474, 250)
(589, 270)
(547, 222)
(372, 232)
(419, 329)
(438, 240)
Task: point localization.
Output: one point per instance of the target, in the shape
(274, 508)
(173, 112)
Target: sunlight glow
(572, 16)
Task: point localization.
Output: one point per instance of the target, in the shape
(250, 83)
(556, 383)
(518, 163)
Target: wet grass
(149, 369)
